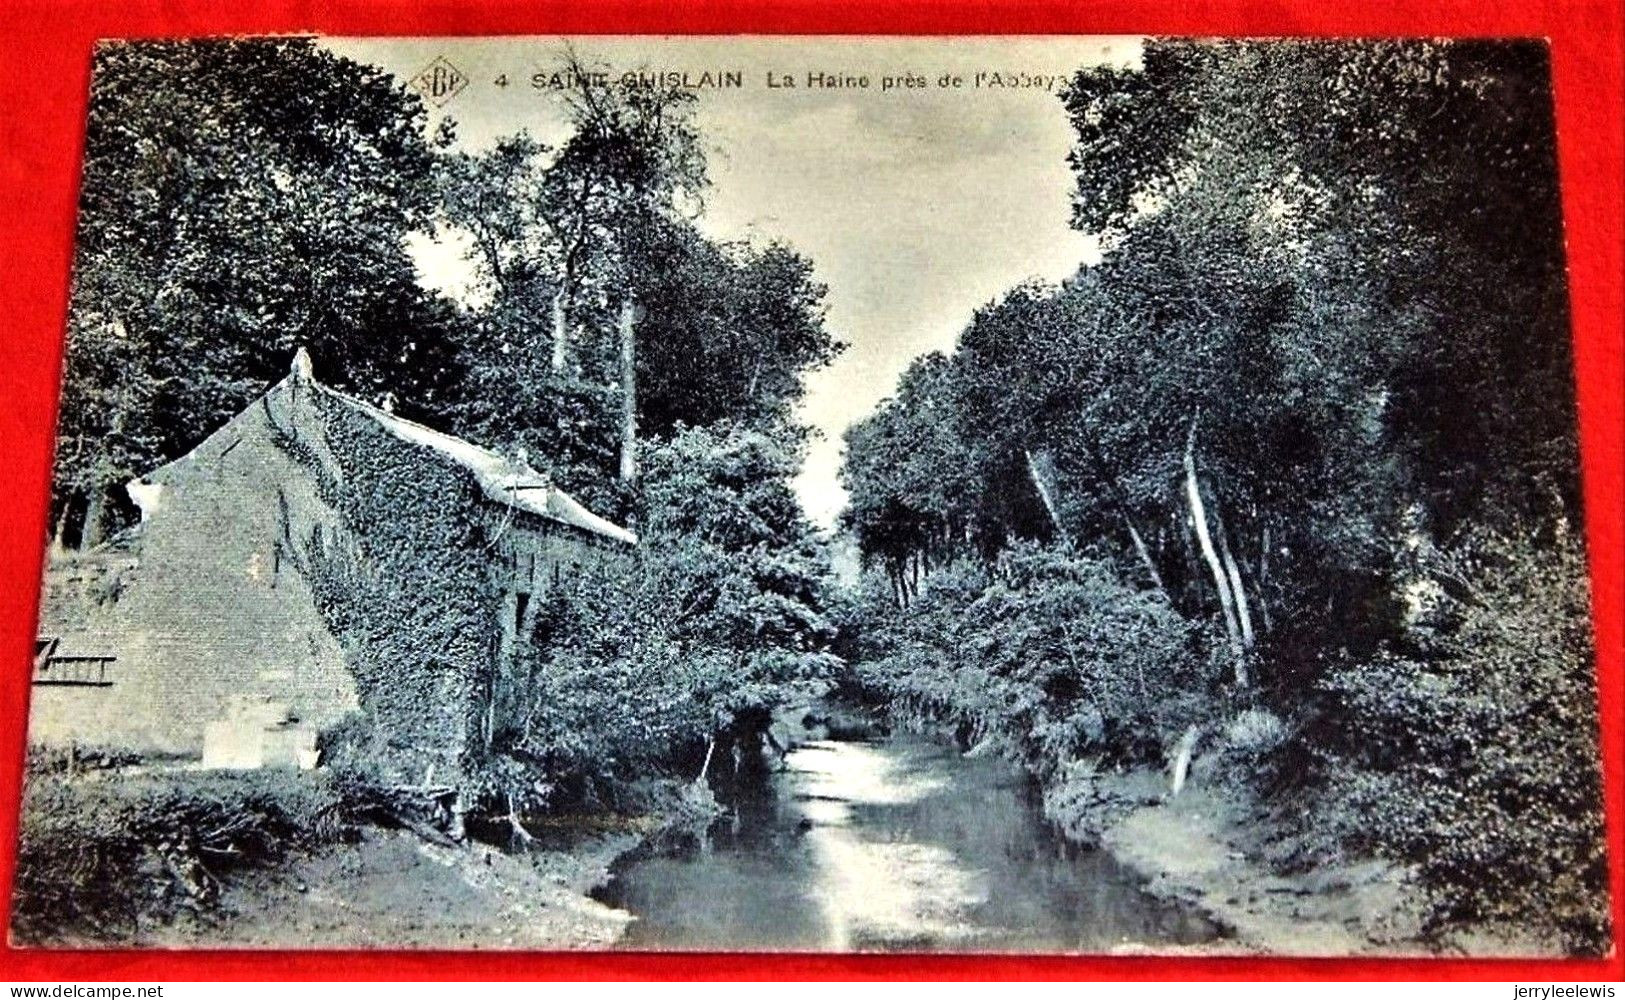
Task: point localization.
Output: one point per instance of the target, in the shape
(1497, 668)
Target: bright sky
(916, 205)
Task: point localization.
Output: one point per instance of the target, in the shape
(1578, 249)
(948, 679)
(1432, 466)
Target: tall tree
(610, 316)
(239, 198)
(1411, 180)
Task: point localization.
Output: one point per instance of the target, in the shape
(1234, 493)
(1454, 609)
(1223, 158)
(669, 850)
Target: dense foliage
(100, 859)
(1049, 654)
(1293, 463)
(654, 372)
(1324, 356)
(240, 198)
(1476, 750)
(721, 618)
(402, 581)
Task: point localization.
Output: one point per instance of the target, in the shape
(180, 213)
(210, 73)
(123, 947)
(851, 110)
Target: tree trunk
(90, 535)
(1145, 553)
(103, 475)
(1182, 760)
(1045, 496)
(1243, 613)
(1263, 578)
(629, 393)
(710, 748)
(518, 836)
(1115, 493)
(1193, 492)
(59, 530)
(561, 333)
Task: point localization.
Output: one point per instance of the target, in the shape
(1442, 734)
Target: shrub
(1254, 732)
(616, 693)
(98, 859)
(1055, 653)
(719, 619)
(1475, 756)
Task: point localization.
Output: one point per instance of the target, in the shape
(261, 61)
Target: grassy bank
(106, 856)
(122, 856)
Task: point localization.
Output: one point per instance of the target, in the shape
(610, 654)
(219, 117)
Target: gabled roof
(505, 480)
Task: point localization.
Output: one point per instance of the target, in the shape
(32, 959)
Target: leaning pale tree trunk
(1144, 553)
(1244, 616)
(1046, 496)
(629, 393)
(710, 748)
(1114, 491)
(1221, 581)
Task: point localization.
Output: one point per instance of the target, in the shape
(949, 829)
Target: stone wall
(212, 613)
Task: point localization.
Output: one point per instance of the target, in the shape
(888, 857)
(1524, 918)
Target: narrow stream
(895, 844)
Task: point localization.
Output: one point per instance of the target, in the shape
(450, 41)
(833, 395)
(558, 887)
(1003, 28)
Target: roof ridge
(499, 476)
(379, 412)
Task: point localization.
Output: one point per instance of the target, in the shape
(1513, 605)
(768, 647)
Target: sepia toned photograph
(1024, 495)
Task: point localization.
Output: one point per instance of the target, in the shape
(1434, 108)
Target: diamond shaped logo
(439, 82)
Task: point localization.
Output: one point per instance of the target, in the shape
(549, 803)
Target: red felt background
(46, 53)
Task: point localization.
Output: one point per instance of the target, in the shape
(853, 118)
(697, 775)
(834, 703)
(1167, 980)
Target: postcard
(1074, 495)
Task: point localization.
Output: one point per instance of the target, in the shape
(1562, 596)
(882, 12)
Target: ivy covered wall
(401, 580)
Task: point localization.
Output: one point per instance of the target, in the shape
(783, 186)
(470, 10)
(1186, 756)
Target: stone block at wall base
(241, 744)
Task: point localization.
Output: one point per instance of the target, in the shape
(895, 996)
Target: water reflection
(900, 844)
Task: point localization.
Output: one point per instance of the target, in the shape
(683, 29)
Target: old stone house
(313, 560)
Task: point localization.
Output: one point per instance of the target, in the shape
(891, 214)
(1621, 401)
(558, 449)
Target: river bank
(1217, 849)
(395, 890)
(1213, 848)
(1218, 852)
(263, 860)
(858, 839)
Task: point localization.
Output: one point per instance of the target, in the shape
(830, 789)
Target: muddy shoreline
(1207, 848)
(394, 890)
(1210, 848)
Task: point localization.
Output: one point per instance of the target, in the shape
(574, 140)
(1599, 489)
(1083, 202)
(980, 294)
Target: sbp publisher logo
(439, 81)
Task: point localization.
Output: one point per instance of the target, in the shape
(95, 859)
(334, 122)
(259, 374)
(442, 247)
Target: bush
(616, 693)
(99, 859)
(1255, 732)
(1054, 654)
(1475, 755)
(715, 622)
